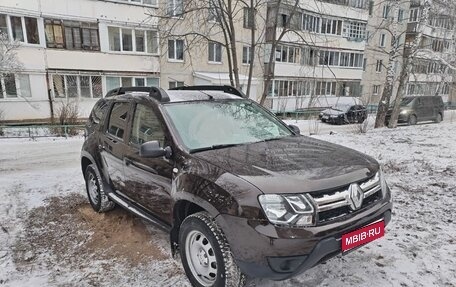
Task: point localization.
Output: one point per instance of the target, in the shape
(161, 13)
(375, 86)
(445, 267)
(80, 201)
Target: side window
(118, 119)
(146, 127)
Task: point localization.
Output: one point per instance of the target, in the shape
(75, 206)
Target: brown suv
(240, 192)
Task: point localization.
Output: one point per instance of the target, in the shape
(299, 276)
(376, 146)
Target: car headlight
(404, 112)
(290, 210)
(334, 116)
(383, 184)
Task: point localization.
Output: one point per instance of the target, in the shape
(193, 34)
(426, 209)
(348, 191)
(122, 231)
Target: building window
(341, 59)
(3, 25)
(76, 86)
(414, 14)
(355, 30)
(215, 52)
(386, 11)
(376, 90)
(176, 50)
(133, 40)
(138, 2)
(14, 85)
(23, 29)
(214, 12)
(400, 15)
(311, 23)
(246, 55)
(54, 33)
(114, 82)
(175, 84)
(379, 66)
(81, 35)
(382, 40)
(287, 54)
(248, 18)
(309, 56)
(175, 8)
(329, 26)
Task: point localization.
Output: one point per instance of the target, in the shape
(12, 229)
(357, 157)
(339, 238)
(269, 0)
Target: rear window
(98, 111)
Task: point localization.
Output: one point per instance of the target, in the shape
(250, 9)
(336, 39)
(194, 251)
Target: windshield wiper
(212, 147)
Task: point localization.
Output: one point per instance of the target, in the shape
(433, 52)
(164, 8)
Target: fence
(38, 131)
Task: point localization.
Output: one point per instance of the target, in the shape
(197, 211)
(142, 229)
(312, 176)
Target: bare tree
(199, 22)
(410, 57)
(9, 63)
(393, 54)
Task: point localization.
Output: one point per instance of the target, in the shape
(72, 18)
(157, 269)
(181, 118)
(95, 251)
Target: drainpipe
(51, 103)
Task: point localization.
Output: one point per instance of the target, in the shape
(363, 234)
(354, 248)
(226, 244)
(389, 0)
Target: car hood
(332, 112)
(293, 164)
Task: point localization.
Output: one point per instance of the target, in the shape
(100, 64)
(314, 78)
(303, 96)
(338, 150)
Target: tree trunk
(252, 48)
(408, 64)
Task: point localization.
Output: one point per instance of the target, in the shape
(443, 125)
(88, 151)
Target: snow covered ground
(50, 237)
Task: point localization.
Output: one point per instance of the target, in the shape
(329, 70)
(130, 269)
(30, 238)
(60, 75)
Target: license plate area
(363, 235)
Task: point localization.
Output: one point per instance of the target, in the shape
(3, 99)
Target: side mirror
(152, 149)
(295, 129)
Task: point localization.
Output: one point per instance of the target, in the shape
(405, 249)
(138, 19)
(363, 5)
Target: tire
(412, 120)
(438, 119)
(98, 199)
(203, 246)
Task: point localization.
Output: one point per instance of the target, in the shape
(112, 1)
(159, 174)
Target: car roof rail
(157, 93)
(223, 88)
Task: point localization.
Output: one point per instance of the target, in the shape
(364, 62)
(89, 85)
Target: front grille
(333, 205)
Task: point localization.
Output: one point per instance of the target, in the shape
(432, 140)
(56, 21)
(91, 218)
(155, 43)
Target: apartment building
(75, 51)
(195, 48)
(321, 56)
(381, 39)
(430, 76)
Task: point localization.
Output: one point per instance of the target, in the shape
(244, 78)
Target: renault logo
(355, 196)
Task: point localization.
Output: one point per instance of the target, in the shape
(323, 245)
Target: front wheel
(438, 119)
(206, 254)
(97, 196)
(412, 120)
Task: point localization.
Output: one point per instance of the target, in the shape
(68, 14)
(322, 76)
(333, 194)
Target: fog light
(305, 220)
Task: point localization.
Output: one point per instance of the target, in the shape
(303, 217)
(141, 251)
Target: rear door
(420, 109)
(112, 147)
(148, 180)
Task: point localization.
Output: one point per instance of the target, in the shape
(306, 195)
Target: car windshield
(406, 102)
(206, 125)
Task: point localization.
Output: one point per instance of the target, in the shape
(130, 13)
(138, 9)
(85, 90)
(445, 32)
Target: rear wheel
(98, 199)
(206, 254)
(412, 120)
(438, 119)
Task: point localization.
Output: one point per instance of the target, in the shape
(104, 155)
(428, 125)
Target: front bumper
(265, 251)
(402, 119)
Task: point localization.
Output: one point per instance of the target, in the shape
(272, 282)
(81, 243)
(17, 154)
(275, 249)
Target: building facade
(385, 32)
(430, 74)
(314, 53)
(75, 51)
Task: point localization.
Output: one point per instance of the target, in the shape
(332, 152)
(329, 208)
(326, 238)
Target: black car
(419, 108)
(344, 114)
(240, 193)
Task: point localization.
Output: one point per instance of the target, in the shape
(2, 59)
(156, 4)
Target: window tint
(146, 127)
(118, 119)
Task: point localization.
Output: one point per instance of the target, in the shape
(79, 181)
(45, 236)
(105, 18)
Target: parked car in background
(344, 114)
(240, 193)
(419, 108)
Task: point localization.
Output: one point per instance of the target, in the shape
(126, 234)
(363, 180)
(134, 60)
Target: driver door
(148, 180)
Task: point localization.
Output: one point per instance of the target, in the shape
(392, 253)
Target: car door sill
(130, 207)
